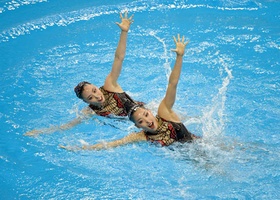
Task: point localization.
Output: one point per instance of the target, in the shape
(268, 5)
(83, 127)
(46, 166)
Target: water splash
(213, 116)
(214, 152)
(166, 64)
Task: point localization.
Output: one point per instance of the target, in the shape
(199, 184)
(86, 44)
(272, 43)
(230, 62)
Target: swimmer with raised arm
(166, 127)
(108, 99)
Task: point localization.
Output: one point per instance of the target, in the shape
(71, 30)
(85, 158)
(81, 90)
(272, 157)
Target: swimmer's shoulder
(88, 111)
(136, 137)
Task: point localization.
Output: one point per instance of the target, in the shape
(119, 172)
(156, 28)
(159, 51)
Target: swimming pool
(228, 93)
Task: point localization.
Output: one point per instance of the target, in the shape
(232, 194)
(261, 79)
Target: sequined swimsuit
(169, 132)
(114, 103)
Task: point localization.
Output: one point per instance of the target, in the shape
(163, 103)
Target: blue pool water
(228, 94)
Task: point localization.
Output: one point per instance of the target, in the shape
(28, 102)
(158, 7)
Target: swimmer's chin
(150, 129)
(102, 100)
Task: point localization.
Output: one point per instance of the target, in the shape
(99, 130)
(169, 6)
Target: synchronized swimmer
(106, 100)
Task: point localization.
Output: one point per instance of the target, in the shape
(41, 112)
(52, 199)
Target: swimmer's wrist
(103, 145)
(62, 127)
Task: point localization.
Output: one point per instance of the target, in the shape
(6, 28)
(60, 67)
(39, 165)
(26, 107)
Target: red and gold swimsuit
(114, 104)
(169, 132)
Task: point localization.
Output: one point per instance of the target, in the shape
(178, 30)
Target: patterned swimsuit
(169, 132)
(114, 104)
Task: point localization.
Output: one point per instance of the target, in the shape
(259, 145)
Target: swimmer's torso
(113, 105)
(169, 132)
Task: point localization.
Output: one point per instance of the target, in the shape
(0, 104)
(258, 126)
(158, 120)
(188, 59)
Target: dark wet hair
(132, 111)
(80, 88)
(131, 107)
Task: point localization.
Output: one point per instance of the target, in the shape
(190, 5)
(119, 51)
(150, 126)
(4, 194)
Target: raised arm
(165, 107)
(86, 113)
(111, 83)
(131, 138)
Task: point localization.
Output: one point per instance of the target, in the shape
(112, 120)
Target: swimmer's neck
(97, 104)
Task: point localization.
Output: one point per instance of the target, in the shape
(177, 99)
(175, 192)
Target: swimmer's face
(92, 95)
(145, 120)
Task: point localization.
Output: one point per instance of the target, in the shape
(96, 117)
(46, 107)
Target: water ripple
(64, 19)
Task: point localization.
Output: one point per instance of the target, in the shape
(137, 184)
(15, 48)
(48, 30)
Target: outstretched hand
(180, 45)
(85, 146)
(125, 24)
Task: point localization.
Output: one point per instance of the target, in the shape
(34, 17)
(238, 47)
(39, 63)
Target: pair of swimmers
(110, 99)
